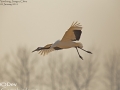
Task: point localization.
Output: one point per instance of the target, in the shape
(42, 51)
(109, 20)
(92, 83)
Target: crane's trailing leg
(79, 54)
(86, 51)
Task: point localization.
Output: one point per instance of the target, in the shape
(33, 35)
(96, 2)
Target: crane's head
(39, 48)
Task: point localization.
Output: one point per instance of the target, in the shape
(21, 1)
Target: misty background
(26, 26)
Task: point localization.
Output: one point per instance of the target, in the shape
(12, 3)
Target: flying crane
(71, 35)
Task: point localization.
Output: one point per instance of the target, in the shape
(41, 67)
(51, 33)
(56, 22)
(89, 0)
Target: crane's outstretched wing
(73, 33)
(46, 51)
(49, 49)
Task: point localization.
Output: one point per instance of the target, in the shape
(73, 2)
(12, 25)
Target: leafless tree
(72, 73)
(3, 66)
(20, 68)
(56, 74)
(83, 72)
(112, 70)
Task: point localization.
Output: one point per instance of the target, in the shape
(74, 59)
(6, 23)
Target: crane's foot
(81, 57)
(89, 52)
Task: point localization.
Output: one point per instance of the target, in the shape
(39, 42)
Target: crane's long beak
(37, 49)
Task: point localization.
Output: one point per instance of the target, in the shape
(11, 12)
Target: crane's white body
(67, 44)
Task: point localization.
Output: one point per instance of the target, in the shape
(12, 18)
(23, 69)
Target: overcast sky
(39, 22)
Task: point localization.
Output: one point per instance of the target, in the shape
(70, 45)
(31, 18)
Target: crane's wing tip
(76, 24)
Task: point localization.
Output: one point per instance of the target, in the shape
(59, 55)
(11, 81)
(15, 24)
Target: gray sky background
(39, 22)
